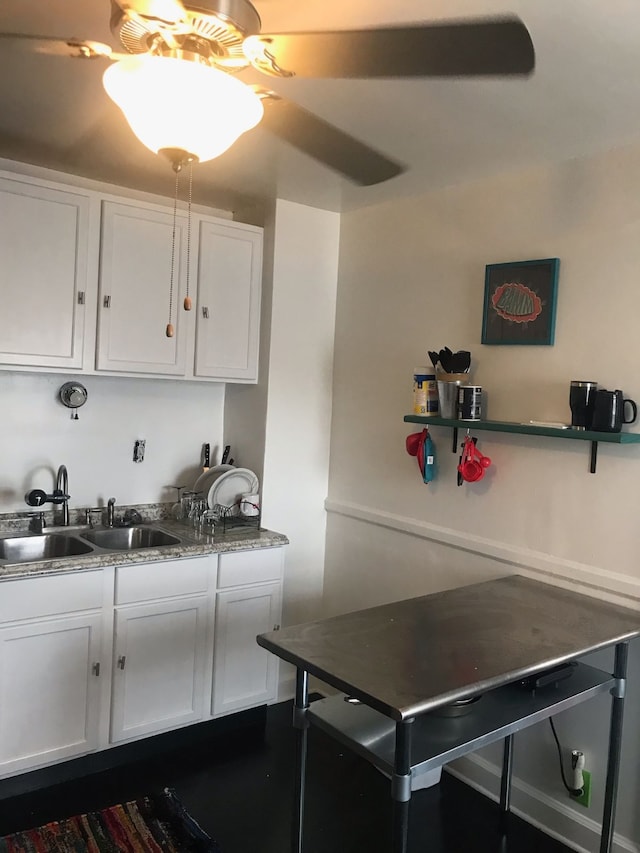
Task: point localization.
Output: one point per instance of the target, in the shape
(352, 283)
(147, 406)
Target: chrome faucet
(62, 492)
(111, 504)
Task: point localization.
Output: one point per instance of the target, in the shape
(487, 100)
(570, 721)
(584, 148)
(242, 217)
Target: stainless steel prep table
(405, 659)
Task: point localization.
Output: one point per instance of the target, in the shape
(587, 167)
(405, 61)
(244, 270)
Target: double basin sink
(53, 546)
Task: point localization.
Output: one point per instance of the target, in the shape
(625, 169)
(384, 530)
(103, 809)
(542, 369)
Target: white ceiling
(583, 96)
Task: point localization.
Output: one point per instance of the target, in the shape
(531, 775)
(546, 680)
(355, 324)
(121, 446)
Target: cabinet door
(43, 247)
(229, 286)
(243, 673)
(136, 252)
(49, 691)
(159, 667)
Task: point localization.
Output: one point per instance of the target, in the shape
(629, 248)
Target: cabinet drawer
(31, 598)
(149, 581)
(245, 567)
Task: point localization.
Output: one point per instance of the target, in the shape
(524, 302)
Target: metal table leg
(401, 786)
(505, 788)
(301, 725)
(615, 744)
(507, 772)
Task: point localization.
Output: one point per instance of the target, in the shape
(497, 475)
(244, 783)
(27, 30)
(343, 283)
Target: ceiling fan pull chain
(170, 329)
(187, 299)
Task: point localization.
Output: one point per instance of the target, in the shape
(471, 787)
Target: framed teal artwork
(520, 302)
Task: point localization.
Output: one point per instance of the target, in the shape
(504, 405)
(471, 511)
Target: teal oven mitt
(428, 471)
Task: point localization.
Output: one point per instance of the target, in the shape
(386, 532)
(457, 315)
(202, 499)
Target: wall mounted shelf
(529, 429)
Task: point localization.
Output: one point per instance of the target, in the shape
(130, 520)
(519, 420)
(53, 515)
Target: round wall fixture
(73, 395)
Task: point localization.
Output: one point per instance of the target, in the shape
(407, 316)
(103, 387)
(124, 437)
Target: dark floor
(240, 791)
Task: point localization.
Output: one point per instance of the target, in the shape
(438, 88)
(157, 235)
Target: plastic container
(425, 391)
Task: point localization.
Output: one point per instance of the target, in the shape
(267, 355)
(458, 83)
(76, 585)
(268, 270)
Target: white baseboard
(564, 823)
(286, 688)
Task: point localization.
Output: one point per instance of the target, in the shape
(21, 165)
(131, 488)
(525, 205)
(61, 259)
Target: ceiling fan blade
(326, 143)
(459, 48)
(79, 48)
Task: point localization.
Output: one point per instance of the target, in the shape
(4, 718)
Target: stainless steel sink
(129, 538)
(48, 546)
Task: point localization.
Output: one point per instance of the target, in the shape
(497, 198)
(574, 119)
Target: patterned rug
(154, 824)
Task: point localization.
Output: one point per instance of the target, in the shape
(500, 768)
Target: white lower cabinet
(244, 674)
(159, 667)
(49, 691)
(162, 646)
(249, 602)
(51, 672)
(89, 659)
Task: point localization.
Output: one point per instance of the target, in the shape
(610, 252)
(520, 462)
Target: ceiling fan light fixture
(182, 104)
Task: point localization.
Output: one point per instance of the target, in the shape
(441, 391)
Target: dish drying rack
(230, 518)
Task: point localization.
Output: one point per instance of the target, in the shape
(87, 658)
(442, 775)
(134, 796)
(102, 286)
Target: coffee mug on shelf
(582, 397)
(610, 411)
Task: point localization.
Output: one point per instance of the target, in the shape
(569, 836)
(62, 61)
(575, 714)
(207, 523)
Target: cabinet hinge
(81, 297)
(121, 661)
(95, 669)
(205, 312)
(106, 302)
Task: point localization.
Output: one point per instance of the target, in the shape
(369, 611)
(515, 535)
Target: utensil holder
(448, 384)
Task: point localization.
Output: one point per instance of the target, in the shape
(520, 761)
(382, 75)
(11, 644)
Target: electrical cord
(575, 792)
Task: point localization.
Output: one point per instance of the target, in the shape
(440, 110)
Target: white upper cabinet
(43, 262)
(87, 285)
(229, 286)
(136, 290)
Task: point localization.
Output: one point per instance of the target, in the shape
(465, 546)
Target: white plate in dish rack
(230, 486)
(208, 477)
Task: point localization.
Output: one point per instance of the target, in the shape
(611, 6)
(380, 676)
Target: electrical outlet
(138, 450)
(585, 797)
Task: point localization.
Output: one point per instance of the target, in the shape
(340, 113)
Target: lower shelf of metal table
(438, 740)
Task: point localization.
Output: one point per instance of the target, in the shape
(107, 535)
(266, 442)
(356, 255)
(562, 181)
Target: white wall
(37, 435)
(298, 417)
(246, 405)
(412, 279)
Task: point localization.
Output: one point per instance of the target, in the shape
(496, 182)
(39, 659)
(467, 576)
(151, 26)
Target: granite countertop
(192, 544)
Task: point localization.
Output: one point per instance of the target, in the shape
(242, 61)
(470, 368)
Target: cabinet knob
(95, 669)
(121, 661)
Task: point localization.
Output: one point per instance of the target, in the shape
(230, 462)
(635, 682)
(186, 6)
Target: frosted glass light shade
(176, 103)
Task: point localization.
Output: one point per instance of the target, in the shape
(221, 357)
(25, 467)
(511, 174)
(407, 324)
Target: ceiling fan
(171, 49)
